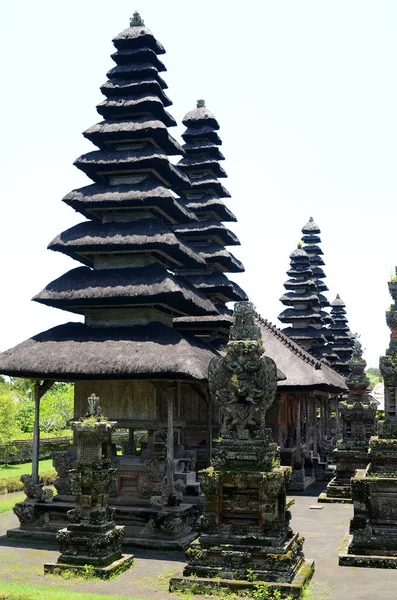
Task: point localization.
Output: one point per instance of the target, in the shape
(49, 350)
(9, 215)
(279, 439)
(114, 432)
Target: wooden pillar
(170, 396)
(39, 390)
(315, 427)
(298, 454)
(209, 427)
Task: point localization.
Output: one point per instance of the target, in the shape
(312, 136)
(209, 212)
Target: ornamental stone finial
(136, 20)
(200, 103)
(244, 327)
(94, 408)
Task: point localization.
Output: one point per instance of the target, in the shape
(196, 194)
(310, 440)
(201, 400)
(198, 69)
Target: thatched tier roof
(294, 314)
(304, 282)
(75, 351)
(326, 317)
(311, 228)
(139, 55)
(199, 117)
(302, 370)
(121, 87)
(99, 165)
(315, 260)
(338, 304)
(137, 37)
(318, 272)
(311, 239)
(124, 107)
(321, 287)
(301, 272)
(112, 133)
(208, 230)
(204, 146)
(190, 164)
(313, 249)
(144, 236)
(210, 208)
(216, 284)
(220, 258)
(305, 334)
(199, 325)
(136, 72)
(151, 285)
(299, 256)
(291, 298)
(206, 185)
(204, 132)
(144, 195)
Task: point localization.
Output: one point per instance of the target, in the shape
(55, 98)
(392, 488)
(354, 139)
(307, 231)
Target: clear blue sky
(306, 96)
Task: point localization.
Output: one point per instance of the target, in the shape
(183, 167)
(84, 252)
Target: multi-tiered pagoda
(128, 295)
(343, 339)
(311, 240)
(357, 413)
(303, 302)
(208, 236)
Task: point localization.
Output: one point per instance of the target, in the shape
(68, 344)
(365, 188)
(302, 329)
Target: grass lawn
(15, 470)
(6, 505)
(18, 591)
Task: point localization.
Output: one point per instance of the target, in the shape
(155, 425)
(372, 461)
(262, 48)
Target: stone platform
(364, 560)
(325, 499)
(202, 585)
(115, 568)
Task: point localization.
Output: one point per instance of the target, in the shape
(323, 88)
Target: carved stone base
(363, 560)
(236, 557)
(43, 520)
(202, 585)
(115, 568)
(325, 499)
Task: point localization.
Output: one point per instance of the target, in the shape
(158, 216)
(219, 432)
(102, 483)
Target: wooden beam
(39, 390)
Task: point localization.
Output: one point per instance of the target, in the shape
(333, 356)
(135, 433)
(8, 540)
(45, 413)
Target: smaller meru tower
(208, 236)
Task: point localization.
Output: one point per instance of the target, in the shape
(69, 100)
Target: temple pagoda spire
(207, 236)
(343, 339)
(311, 244)
(303, 302)
(126, 286)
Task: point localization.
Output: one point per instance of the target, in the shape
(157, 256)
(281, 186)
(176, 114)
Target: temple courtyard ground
(323, 527)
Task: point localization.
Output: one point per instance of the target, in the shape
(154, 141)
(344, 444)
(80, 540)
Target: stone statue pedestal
(92, 541)
(246, 539)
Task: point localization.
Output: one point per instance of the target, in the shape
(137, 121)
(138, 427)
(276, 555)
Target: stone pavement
(323, 529)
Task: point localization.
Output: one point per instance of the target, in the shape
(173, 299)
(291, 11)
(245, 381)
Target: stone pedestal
(372, 541)
(92, 538)
(246, 539)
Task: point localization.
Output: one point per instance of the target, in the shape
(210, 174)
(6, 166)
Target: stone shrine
(92, 537)
(246, 537)
(373, 530)
(357, 414)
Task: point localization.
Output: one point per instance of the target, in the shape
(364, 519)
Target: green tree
(8, 425)
(56, 407)
(374, 375)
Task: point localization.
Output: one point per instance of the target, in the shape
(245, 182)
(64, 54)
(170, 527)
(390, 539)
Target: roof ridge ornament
(136, 20)
(201, 103)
